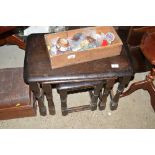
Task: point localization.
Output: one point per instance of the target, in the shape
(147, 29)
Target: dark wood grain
(37, 66)
(47, 88)
(16, 100)
(63, 90)
(8, 36)
(103, 96)
(137, 32)
(37, 70)
(148, 47)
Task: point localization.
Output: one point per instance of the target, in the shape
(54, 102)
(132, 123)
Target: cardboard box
(74, 57)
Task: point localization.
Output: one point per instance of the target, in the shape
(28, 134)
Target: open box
(74, 57)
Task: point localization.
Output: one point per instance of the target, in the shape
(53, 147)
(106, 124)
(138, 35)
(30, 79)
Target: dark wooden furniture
(131, 37)
(8, 36)
(142, 59)
(16, 100)
(41, 78)
(148, 49)
(64, 89)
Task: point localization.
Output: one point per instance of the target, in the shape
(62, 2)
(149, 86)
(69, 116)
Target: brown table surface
(148, 47)
(37, 66)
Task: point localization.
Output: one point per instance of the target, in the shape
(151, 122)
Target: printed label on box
(72, 56)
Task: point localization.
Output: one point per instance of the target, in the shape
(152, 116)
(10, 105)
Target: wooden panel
(4, 29)
(15, 97)
(148, 47)
(17, 112)
(136, 33)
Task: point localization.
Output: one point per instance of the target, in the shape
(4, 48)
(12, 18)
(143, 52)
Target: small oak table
(41, 78)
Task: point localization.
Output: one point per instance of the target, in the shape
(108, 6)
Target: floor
(134, 111)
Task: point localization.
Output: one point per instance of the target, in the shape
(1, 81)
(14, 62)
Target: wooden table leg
(147, 85)
(63, 98)
(38, 93)
(103, 97)
(91, 93)
(95, 96)
(124, 81)
(13, 40)
(47, 88)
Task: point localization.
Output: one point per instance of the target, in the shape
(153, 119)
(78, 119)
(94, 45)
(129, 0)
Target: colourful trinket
(110, 37)
(62, 45)
(77, 36)
(104, 43)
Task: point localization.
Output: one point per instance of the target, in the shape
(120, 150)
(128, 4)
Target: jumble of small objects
(81, 42)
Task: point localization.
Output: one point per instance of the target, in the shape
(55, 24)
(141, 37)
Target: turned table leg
(63, 98)
(103, 97)
(95, 95)
(91, 93)
(47, 88)
(123, 81)
(38, 93)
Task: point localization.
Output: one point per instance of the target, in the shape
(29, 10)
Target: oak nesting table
(98, 74)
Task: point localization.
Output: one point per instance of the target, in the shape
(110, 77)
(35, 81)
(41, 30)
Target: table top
(148, 47)
(37, 67)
